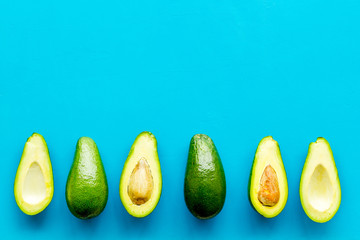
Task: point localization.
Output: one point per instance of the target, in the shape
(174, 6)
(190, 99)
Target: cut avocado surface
(86, 187)
(268, 188)
(34, 186)
(141, 181)
(205, 185)
(320, 191)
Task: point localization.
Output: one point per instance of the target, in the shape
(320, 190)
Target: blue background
(235, 70)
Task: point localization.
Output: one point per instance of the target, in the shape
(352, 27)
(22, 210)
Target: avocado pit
(141, 183)
(269, 193)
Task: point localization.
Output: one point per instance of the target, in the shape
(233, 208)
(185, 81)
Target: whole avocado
(205, 184)
(86, 187)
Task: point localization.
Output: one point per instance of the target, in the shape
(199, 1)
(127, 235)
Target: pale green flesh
(268, 153)
(143, 148)
(320, 191)
(34, 187)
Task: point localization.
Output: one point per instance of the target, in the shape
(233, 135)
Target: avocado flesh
(86, 187)
(268, 188)
(141, 181)
(320, 191)
(205, 184)
(34, 186)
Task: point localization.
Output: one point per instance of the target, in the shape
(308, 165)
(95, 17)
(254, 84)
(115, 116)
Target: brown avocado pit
(141, 183)
(269, 193)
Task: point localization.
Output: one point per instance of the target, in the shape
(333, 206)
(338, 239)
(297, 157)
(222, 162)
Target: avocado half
(268, 188)
(34, 185)
(320, 191)
(141, 181)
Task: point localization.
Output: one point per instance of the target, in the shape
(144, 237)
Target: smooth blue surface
(235, 70)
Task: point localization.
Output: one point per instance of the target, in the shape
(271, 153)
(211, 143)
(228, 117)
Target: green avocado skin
(205, 185)
(249, 187)
(86, 187)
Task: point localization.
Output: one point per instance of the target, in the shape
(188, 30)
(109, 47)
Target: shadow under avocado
(309, 227)
(255, 223)
(32, 221)
(132, 225)
(199, 228)
(84, 227)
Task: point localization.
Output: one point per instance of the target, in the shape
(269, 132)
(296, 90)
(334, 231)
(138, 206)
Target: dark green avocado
(86, 187)
(205, 185)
